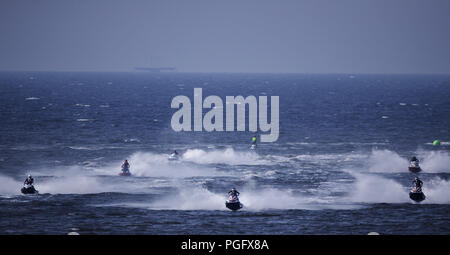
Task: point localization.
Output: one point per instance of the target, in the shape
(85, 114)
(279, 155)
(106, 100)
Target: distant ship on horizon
(156, 69)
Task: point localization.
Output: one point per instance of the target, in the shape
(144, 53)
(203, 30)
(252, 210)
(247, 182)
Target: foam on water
(386, 161)
(226, 156)
(369, 188)
(254, 199)
(72, 185)
(158, 165)
(9, 186)
(435, 161)
(190, 198)
(437, 191)
(32, 98)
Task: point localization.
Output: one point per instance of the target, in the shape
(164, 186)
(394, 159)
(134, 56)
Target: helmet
(126, 160)
(29, 176)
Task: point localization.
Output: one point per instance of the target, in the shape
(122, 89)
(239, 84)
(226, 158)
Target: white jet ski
(174, 156)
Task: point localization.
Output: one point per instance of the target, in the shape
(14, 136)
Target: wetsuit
(29, 181)
(126, 167)
(418, 184)
(234, 193)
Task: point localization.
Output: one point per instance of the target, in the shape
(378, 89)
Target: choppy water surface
(339, 166)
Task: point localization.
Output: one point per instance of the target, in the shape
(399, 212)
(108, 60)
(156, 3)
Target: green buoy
(436, 143)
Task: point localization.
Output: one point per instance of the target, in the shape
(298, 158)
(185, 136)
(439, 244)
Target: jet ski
(174, 156)
(125, 172)
(414, 169)
(414, 165)
(233, 203)
(253, 147)
(417, 195)
(29, 189)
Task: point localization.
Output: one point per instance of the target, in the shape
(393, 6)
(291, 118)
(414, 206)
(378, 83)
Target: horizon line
(215, 72)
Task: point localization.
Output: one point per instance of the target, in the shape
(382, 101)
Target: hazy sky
(316, 36)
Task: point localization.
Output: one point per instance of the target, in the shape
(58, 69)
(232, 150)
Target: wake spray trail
(386, 161)
(376, 189)
(437, 191)
(72, 185)
(147, 164)
(9, 186)
(226, 156)
(435, 161)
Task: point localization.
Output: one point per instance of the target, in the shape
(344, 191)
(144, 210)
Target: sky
(277, 36)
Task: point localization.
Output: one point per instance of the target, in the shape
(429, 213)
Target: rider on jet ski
(414, 162)
(234, 194)
(29, 180)
(125, 166)
(418, 184)
(175, 152)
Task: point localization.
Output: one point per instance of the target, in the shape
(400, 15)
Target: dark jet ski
(125, 173)
(417, 195)
(125, 169)
(29, 189)
(414, 169)
(414, 165)
(233, 203)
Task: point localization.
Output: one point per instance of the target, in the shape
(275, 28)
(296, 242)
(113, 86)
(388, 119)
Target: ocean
(339, 166)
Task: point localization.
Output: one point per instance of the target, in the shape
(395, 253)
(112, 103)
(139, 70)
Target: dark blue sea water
(338, 167)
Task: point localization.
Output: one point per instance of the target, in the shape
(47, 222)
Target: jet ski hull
(253, 147)
(414, 169)
(173, 157)
(125, 174)
(417, 196)
(234, 206)
(29, 190)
